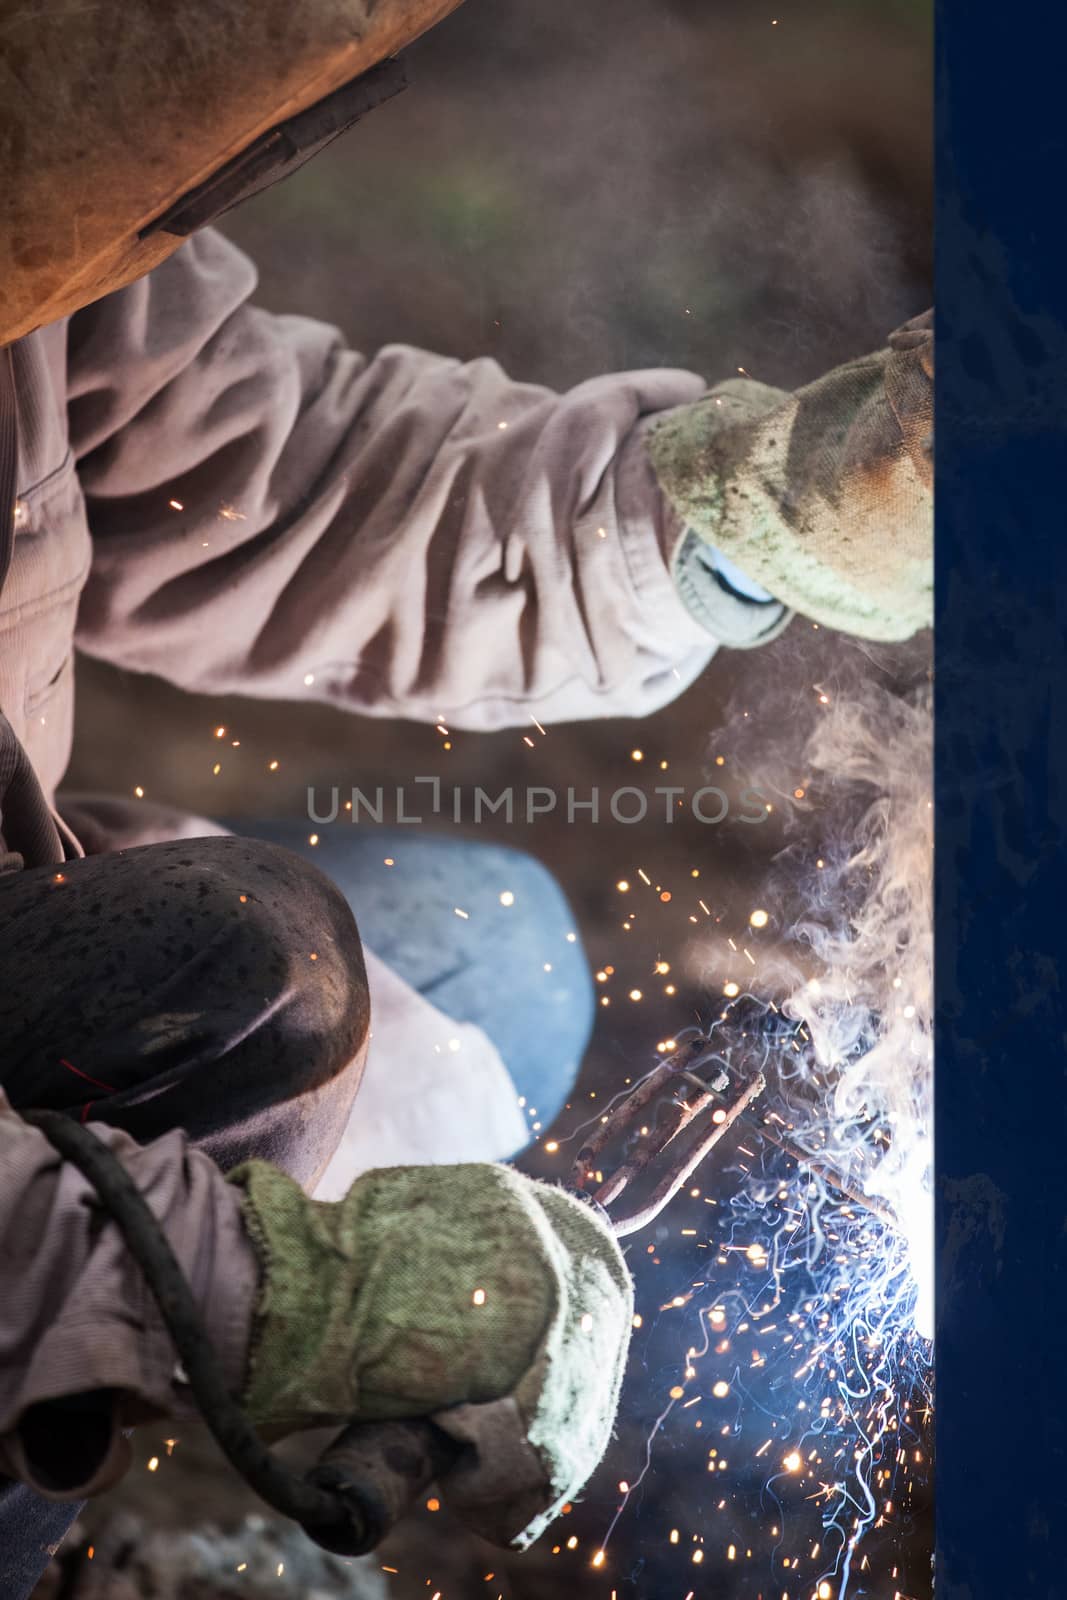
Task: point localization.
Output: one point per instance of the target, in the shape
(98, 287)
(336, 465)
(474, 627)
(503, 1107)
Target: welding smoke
(868, 1009)
(851, 767)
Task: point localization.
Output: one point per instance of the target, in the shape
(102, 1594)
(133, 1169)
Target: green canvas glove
(823, 496)
(469, 1293)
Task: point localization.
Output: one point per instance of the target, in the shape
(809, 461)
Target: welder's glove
(823, 496)
(498, 1305)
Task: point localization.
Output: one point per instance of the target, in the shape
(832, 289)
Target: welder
(237, 502)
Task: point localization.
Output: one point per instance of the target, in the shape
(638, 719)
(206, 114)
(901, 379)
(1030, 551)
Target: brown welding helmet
(126, 126)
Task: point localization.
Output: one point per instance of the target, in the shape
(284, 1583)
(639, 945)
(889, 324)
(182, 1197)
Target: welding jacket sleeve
(84, 1354)
(276, 515)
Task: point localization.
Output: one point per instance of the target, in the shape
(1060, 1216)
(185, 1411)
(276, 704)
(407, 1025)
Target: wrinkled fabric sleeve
(274, 514)
(76, 1317)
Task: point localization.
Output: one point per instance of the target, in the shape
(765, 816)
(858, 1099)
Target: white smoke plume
(869, 925)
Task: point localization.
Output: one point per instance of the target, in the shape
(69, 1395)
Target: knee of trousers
(292, 1014)
(289, 962)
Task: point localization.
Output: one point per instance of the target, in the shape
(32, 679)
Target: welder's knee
(296, 941)
(290, 1012)
(215, 985)
(278, 995)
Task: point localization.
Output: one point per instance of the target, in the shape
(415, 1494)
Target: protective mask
(124, 128)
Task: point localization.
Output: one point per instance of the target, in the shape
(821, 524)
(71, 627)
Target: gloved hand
(497, 1305)
(823, 496)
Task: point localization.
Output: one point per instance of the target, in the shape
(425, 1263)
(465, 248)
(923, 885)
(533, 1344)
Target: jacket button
(22, 513)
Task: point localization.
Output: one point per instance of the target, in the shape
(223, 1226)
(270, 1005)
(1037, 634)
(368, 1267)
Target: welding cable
(332, 1518)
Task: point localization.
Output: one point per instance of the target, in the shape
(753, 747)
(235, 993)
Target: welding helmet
(123, 128)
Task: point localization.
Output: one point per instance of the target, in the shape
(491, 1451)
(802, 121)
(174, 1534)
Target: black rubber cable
(316, 1508)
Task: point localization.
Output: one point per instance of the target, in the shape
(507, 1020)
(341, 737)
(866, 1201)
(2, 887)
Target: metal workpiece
(649, 1123)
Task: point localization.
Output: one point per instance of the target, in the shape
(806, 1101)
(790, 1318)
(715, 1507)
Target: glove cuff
(296, 1375)
(679, 447)
(817, 495)
(739, 623)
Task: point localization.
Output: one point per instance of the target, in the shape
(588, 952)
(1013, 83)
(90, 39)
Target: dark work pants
(215, 985)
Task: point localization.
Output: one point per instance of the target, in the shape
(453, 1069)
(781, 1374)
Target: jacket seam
(35, 490)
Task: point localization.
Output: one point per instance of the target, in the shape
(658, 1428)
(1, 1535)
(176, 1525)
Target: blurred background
(708, 184)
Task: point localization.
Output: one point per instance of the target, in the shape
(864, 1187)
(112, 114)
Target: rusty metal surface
(649, 1123)
(636, 1161)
